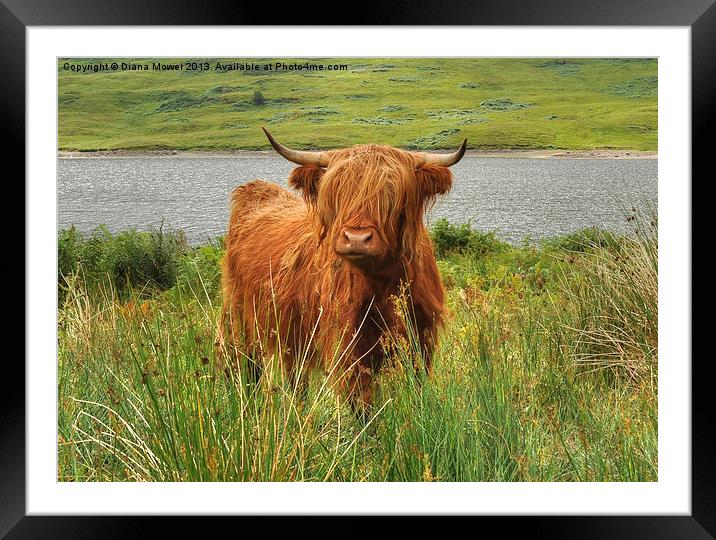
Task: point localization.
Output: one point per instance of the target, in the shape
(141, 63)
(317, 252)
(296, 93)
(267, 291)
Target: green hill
(425, 103)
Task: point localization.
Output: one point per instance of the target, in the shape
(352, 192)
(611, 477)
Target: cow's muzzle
(355, 243)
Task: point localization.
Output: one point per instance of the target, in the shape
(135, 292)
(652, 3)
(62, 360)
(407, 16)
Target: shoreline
(504, 153)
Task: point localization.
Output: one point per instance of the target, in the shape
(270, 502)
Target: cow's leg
(234, 356)
(357, 385)
(366, 358)
(426, 331)
(254, 368)
(296, 360)
(297, 379)
(224, 345)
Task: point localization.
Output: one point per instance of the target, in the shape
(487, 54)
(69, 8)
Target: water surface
(518, 198)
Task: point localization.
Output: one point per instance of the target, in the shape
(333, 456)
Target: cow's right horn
(445, 160)
(315, 159)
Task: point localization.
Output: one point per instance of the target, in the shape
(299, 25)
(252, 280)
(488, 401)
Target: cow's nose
(358, 238)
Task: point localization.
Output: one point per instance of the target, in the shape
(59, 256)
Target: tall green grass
(611, 308)
(546, 372)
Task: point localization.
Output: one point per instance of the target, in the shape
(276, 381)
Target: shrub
(586, 240)
(258, 98)
(391, 108)
(126, 260)
(640, 87)
(434, 140)
(448, 238)
(68, 252)
(199, 270)
(503, 105)
(379, 121)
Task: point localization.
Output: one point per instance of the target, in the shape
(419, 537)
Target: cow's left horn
(316, 159)
(443, 160)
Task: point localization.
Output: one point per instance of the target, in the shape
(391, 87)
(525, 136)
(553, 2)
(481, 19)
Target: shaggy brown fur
(282, 279)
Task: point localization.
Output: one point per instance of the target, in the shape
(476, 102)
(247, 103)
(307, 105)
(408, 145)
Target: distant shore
(506, 153)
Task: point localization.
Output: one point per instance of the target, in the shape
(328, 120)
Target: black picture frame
(699, 15)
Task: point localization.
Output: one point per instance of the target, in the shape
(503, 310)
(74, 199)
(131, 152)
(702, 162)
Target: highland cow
(315, 278)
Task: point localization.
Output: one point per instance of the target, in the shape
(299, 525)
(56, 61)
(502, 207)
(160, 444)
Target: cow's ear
(434, 179)
(305, 179)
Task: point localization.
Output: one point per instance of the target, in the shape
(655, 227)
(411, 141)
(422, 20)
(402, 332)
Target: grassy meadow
(546, 371)
(414, 103)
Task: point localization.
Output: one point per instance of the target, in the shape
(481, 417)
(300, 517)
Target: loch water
(518, 198)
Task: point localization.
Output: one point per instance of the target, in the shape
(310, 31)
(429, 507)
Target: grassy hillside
(411, 103)
(546, 371)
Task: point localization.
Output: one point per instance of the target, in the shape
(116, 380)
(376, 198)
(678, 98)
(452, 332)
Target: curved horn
(443, 160)
(316, 159)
